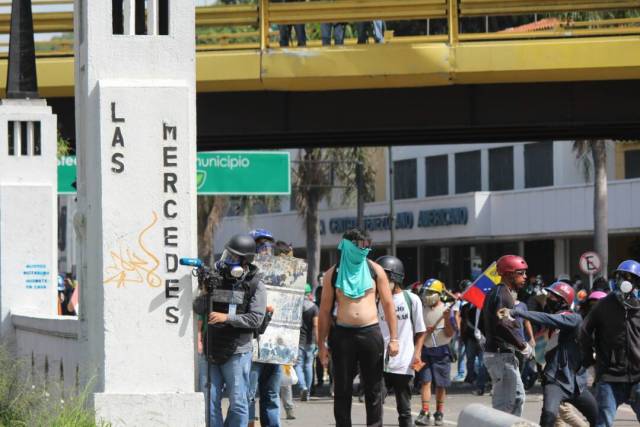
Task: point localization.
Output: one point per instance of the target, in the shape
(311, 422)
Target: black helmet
(242, 245)
(393, 267)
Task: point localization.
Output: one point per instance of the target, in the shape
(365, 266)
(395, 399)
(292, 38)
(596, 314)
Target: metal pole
(360, 194)
(392, 209)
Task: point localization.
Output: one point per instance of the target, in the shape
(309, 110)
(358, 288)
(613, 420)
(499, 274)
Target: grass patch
(31, 402)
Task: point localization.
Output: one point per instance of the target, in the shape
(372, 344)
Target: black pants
(351, 347)
(554, 395)
(401, 388)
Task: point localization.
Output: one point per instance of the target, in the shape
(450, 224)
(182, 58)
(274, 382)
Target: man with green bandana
(349, 316)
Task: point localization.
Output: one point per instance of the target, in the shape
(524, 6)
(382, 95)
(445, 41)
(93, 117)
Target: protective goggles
(231, 259)
(624, 275)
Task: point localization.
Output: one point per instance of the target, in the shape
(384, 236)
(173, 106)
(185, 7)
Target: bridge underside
(461, 113)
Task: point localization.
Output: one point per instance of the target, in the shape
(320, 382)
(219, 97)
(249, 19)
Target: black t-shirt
(309, 311)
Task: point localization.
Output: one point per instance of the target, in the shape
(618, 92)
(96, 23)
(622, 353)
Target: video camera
(208, 280)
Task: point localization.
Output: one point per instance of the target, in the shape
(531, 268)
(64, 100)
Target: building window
(538, 164)
(632, 164)
(150, 17)
(11, 139)
(437, 175)
(468, 172)
(501, 169)
(117, 16)
(405, 179)
(24, 139)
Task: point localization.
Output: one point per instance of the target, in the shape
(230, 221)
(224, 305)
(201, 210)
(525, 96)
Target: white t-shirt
(401, 363)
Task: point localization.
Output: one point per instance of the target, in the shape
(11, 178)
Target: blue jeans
(508, 390)
(233, 376)
(476, 371)
(371, 28)
(285, 35)
(265, 383)
(338, 33)
(609, 397)
(304, 367)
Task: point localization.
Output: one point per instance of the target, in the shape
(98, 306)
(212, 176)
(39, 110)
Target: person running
(612, 331)
(355, 338)
(565, 380)
(399, 370)
(441, 326)
(503, 339)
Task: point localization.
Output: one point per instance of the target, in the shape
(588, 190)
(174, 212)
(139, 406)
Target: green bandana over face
(354, 277)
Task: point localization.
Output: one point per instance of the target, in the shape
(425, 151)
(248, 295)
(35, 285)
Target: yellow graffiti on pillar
(129, 267)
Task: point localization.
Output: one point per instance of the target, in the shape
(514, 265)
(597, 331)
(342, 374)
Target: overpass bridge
(570, 69)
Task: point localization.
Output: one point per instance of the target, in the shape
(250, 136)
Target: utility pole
(360, 193)
(392, 209)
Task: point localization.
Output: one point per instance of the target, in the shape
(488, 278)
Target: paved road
(318, 412)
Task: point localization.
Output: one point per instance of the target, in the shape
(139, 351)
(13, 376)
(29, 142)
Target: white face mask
(432, 299)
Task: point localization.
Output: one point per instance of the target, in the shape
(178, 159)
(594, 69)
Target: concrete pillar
(484, 170)
(561, 257)
(518, 166)
(136, 130)
(28, 226)
(451, 170)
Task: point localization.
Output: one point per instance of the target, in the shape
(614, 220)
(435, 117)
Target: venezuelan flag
(482, 286)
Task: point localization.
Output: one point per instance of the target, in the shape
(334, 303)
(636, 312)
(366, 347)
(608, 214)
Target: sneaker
(304, 395)
(424, 419)
(438, 419)
(478, 392)
(459, 378)
(290, 415)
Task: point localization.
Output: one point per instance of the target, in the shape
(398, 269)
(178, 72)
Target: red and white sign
(590, 263)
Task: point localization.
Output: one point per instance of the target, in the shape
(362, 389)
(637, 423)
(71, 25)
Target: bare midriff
(357, 312)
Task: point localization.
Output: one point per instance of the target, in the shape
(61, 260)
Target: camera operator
(234, 302)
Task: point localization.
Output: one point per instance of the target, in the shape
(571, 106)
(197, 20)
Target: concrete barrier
(478, 415)
(49, 344)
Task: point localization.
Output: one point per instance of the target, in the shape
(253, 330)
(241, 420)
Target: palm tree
(314, 182)
(212, 209)
(597, 150)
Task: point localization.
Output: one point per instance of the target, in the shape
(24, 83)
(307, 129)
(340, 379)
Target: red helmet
(562, 290)
(510, 263)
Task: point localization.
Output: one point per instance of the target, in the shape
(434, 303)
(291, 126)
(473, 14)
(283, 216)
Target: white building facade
(463, 204)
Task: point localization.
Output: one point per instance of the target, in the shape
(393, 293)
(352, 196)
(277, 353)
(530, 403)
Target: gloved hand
(527, 351)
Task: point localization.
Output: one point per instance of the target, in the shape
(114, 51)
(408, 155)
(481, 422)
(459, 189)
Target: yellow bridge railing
(253, 25)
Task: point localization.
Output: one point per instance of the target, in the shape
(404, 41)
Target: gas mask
(231, 264)
(625, 286)
(431, 299)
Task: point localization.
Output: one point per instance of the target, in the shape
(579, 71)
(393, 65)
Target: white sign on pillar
(135, 121)
(28, 226)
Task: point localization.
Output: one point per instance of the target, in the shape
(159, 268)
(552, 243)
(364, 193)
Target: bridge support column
(135, 104)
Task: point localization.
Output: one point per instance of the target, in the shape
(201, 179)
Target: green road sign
(228, 172)
(66, 174)
(244, 172)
